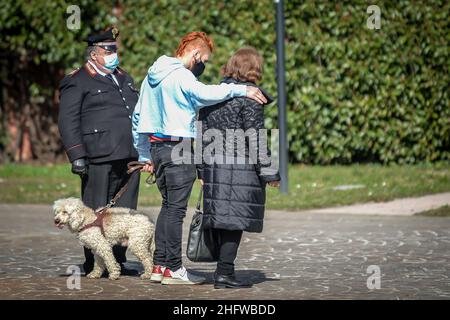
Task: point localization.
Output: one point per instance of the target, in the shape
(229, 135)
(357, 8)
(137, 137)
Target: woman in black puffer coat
(234, 178)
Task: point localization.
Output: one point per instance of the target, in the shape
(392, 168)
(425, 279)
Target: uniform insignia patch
(90, 69)
(114, 32)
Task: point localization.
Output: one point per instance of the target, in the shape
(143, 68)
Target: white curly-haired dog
(121, 226)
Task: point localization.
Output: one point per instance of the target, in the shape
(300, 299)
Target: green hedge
(357, 94)
(354, 94)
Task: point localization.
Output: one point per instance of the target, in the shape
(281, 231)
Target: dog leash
(133, 167)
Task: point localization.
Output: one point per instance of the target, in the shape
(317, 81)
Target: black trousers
(229, 245)
(101, 184)
(174, 181)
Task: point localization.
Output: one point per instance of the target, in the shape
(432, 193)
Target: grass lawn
(439, 212)
(309, 186)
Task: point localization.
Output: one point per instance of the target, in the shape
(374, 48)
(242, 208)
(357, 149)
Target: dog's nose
(57, 221)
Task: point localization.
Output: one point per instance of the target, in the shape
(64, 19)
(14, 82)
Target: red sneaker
(157, 273)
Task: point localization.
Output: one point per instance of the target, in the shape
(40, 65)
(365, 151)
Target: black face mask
(198, 69)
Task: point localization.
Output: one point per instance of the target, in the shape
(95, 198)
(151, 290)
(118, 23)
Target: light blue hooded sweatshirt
(169, 100)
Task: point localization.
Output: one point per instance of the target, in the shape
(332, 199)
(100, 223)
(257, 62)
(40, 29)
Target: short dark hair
(246, 65)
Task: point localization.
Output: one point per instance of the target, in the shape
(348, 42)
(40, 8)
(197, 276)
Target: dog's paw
(114, 275)
(146, 276)
(94, 275)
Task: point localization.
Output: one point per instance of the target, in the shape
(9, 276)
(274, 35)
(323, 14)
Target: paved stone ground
(298, 256)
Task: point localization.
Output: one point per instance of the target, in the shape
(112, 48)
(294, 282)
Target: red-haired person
(164, 117)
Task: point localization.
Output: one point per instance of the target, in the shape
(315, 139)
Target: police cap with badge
(105, 40)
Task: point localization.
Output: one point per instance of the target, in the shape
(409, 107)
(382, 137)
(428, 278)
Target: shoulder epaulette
(121, 71)
(73, 72)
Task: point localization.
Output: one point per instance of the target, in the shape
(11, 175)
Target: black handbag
(203, 244)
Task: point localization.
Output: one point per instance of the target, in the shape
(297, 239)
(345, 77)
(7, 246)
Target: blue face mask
(111, 61)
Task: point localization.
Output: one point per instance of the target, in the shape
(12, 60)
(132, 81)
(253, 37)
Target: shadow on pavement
(254, 276)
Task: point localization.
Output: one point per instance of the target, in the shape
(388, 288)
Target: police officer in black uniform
(96, 105)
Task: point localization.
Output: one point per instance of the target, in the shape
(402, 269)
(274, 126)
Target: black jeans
(101, 184)
(174, 181)
(229, 245)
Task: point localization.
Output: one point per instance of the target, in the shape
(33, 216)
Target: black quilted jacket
(234, 193)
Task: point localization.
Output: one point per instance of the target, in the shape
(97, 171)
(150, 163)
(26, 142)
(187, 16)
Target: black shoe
(88, 267)
(222, 282)
(128, 272)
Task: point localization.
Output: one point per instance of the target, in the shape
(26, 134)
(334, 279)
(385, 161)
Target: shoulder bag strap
(199, 201)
